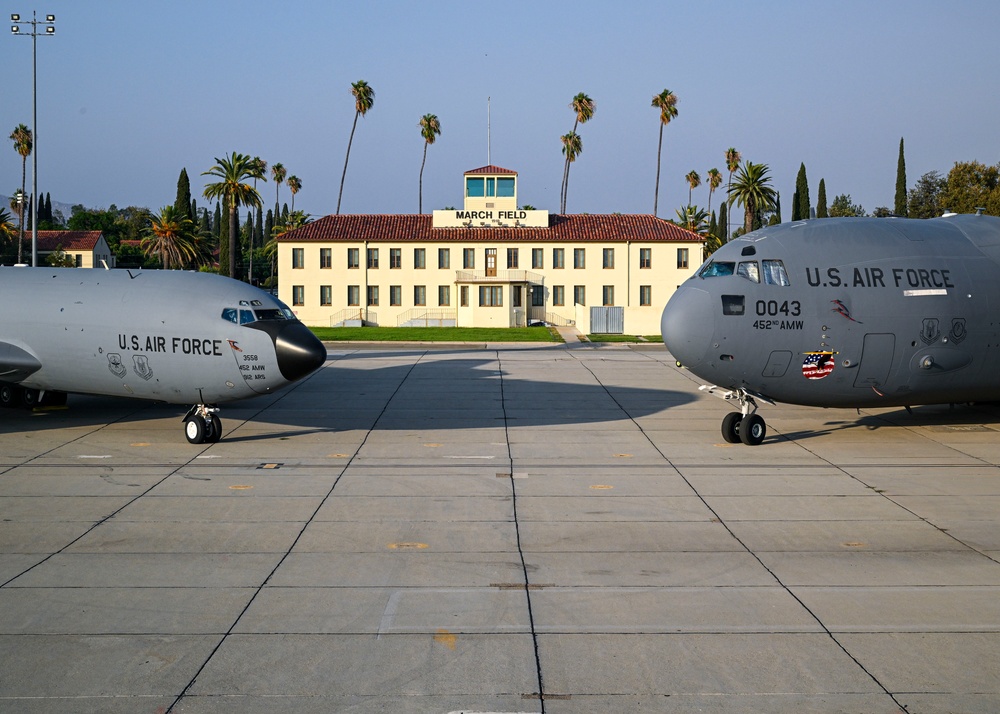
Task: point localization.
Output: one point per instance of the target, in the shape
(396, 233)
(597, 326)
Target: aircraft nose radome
(687, 325)
(298, 350)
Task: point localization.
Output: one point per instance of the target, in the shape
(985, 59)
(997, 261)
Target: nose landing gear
(202, 424)
(744, 426)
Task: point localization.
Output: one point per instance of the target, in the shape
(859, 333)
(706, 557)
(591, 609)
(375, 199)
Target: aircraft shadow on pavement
(460, 393)
(955, 416)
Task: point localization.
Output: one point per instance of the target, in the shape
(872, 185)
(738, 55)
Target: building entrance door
(491, 262)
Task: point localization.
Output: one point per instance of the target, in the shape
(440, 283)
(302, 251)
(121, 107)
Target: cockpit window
(230, 314)
(748, 269)
(289, 315)
(774, 273)
(270, 314)
(246, 317)
(717, 269)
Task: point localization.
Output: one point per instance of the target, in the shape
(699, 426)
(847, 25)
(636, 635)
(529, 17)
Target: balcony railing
(501, 276)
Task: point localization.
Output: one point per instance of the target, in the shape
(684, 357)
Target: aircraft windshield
(748, 270)
(243, 316)
(717, 269)
(774, 273)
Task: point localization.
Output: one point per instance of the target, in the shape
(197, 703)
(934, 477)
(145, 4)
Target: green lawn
(436, 334)
(625, 338)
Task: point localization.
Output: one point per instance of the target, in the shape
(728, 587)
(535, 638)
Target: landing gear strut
(746, 425)
(202, 424)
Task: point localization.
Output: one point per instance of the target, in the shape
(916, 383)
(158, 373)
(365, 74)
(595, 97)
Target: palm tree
(7, 230)
(278, 174)
(733, 158)
(294, 185)
(714, 181)
(259, 170)
(430, 129)
(171, 236)
(23, 144)
(584, 108)
(364, 98)
(572, 147)
(231, 189)
(666, 102)
(694, 181)
(754, 192)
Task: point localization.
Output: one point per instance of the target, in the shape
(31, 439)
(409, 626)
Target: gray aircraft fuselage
(847, 312)
(178, 337)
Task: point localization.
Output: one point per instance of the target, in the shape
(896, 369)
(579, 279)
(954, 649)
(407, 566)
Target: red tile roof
(576, 228)
(67, 240)
(491, 169)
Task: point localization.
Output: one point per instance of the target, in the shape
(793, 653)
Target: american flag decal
(817, 365)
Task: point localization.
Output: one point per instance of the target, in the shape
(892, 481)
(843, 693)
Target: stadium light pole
(49, 28)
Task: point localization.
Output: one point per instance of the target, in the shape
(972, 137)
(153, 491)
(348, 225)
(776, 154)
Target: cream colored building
(86, 249)
(490, 264)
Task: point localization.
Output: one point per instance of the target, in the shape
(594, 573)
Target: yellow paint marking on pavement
(601, 487)
(446, 638)
(407, 546)
(240, 487)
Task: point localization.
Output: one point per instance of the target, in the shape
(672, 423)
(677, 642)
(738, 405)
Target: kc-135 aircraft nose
(688, 324)
(297, 349)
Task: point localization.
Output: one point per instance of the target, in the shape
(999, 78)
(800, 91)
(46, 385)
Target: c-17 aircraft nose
(687, 325)
(298, 350)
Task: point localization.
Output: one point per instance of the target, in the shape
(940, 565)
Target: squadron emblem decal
(817, 365)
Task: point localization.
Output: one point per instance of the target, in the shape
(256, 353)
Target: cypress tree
(802, 192)
(795, 207)
(899, 208)
(217, 223)
(194, 209)
(821, 210)
(723, 222)
(258, 236)
(269, 225)
(206, 224)
(182, 203)
(48, 208)
(713, 227)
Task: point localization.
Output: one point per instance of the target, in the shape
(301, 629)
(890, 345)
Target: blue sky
(131, 92)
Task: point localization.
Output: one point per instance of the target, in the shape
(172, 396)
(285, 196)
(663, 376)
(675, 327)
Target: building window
(372, 258)
(512, 259)
(444, 295)
(608, 295)
(475, 187)
(326, 295)
(419, 258)
(353, 260)
(645, 257)
(505, 187)
(580, 258)
(558, 295)
(579, 295)
(558, 257)
(645, 295)
(298, 258)
(298, 295)
(79, 260)
(444, 258)
(372, 295)
(325, 258)
(490, 296)
(353, 295)
(516, 297)
(395, 258)
(396, 295)
(609, 257)
(420, 295)
(463, 295)
(682, 258)
(469, 258)
(538, 296)
(537, 258)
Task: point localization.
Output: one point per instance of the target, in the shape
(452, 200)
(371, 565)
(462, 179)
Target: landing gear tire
(213, 429)
(29, 398)
(752, 430)
(731, 427)
(8, 396)
(195, 429)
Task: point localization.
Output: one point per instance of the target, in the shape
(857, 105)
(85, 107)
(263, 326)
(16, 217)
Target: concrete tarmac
(498, 528)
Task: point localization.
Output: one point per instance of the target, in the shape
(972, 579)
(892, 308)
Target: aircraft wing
(16, 363)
